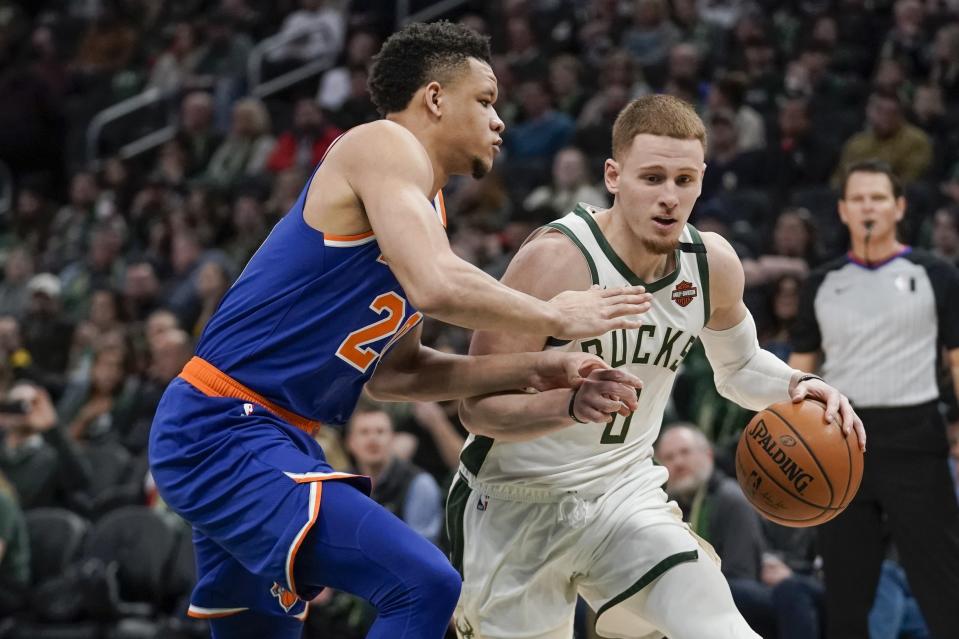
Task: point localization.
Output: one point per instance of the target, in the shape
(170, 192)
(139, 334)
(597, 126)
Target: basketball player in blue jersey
(335, 294)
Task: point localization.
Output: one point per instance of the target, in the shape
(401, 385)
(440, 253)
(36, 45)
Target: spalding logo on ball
(796, 469)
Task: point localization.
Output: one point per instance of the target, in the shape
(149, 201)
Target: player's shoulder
(941, 272)
(548, 263)
(378, 144)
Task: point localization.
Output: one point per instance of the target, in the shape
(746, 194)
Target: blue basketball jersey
(309, 317)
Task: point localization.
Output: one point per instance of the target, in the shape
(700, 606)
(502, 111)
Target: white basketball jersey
(590, 458)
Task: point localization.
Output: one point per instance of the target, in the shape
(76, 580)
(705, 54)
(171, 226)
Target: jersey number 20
(354, 351)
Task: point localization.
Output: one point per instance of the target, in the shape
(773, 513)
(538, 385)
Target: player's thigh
(517, 569)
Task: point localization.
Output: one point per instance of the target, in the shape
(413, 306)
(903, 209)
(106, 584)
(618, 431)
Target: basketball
(796, 469)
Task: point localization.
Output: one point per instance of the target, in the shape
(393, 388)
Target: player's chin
(480, 167)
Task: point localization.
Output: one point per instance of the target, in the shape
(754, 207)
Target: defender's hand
(836, 403)
(559, 369)
(597, 311)
(604, 394)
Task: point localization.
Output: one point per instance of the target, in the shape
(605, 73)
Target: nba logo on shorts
(286, 598)
(482, 503)
(247, 409)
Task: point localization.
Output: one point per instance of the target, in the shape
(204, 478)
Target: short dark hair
(418, 54)
(871, 166)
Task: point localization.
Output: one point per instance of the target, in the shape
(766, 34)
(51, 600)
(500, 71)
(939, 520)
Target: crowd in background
(112, 265)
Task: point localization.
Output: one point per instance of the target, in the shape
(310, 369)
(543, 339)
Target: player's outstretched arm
(545, 266)
(391, 173)
(744, 373)
(413, 372)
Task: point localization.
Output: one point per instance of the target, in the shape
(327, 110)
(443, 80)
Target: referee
(879, 317)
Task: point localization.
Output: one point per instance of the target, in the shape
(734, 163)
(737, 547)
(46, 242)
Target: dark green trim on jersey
(475, 454)
(703, 262)
(455, 512)
(654, 572)
(593, 273)
(619, 264)
(553, 342)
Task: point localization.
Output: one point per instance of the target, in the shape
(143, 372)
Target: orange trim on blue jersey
(347, 238)
(316, 494)
(213, 382)
(442, 207)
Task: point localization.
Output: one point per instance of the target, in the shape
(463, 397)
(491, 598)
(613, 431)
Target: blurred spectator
(141, 290)
(101, 268)
(930, 115)
(17, 271)
(783, 308)
(523, 55)
(791, 252)
(223, 63)
(109, 43)
(944, 63)
(244, 152)
(38, 457)
(313, 31)
(730, 168)
(187, 256)
(335, 85)
(801, 156)
(358, 107)
(571, 184)
(888, 137)
(286, 190)
(651, 35)
(303, 146)
(707, 37)
(212, 282)
(196, 134)
(565, 81)
(102, 317)
(543, 130)
(248, 228)
(765, 79)
(14, 551)
(445, 438)
(176, 66)
(30, 223)
(403, 489)
(712, 503)
(895, 612)
(728, 94)
(96, 404)
(906, 41)
(945, 233)
(684, 70)
(73, 223)
(47, 335)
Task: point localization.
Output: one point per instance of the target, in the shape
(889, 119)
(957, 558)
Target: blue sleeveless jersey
(309, 317)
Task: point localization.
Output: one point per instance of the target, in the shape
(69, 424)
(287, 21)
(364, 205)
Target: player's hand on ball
(836, 403)
(559, 369)
(597, 311)
(605, 394)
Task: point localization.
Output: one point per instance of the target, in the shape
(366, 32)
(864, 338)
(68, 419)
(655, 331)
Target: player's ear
(611, 175)
(433, 98)
(843, 215)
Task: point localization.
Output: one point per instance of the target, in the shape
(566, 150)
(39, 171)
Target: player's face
(472, 124)
(869, 198)
(370, 438)
(656, 183)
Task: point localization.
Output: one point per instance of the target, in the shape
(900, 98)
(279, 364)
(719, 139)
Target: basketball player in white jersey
(555, 497)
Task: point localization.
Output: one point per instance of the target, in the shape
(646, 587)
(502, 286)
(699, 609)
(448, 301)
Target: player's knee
(442, 584)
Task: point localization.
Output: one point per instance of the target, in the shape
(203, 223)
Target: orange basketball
(796, 469)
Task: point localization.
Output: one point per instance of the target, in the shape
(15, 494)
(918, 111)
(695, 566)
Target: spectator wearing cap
(890, 138)
(47, 335)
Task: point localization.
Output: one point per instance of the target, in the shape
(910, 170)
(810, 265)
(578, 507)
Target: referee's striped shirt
(880, 326)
